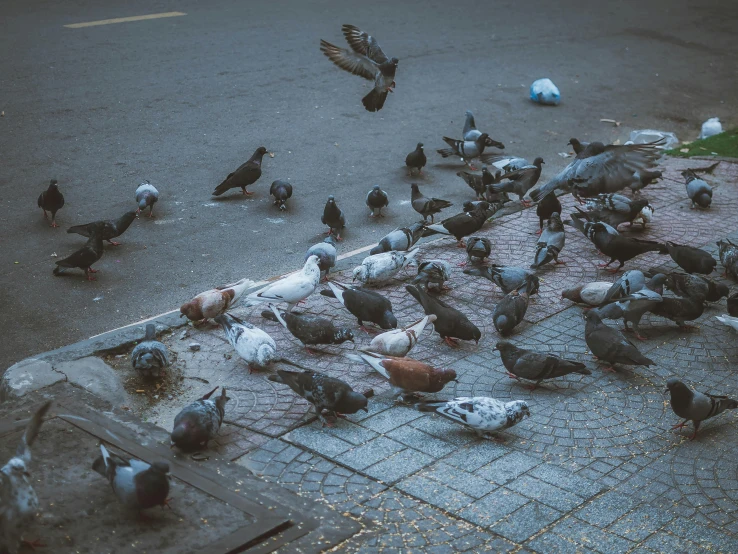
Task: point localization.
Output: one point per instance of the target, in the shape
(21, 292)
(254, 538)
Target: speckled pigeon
(728, 253)
(377, 269)
(252, 344)
(482, 414)
(433, 271)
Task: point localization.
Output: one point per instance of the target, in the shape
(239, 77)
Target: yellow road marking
(124, 19)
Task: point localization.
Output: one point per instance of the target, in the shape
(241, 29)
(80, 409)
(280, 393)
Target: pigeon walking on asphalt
(83, 258)
(470, 131)
(110, 229)
(450, 323)
(460, 225)
(146, 197)
(615, 209)
(728, 254)
(508, 278)
(326, 253)
(18, 500)
(292, 288)
(376, 199)
(380, 268)
(479, 248)
(691, 259)
(609, 345)
(550, 243)
(482, 414)
(433, 271)
(592, 294)
(365, 59)
(333, 217)
(416, 159)
(521, 180)
(281, 191)
(479, 183)
(691, 405)
(548, 205)
(698, 191)
(51, 200)
(426, 206)
(150, 356)
(365, 305)
(399, 342)
(510, 311)
(310, 330)
(199, 422)
(536, 366)
(469, 150)
(247, 174)
(254, 346)
(400, 239)
(136, 484)
(214, 302)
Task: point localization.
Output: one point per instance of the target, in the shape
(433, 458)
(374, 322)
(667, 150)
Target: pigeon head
(352, 402)
(389, 321)
(721, 290)
(574, 294)
(17, 467)
(375, 187)
(656, 283)
(420, 146)
(703, 200)
(260, 152)
(192, 310)
(677, 388)
(504, 345)
(414, 187)
(573, 142)
(394, 61)
(53, 184)
(265, 356)
(160, 467)
(516, 411)
(311, 264)
(638, 204)
(342, 335)
(360, 273)
(689, 175)
(592, 316)
(143, 201)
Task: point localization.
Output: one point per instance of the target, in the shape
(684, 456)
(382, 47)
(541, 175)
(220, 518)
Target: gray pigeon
(376, 199)
(334, 218)
(629, 282)
(433, 271)
(728, 253)
(479, 248)
(426, 206)
(309, 329)
(508, 278)
(482, 414)
(400, 239)
(470, 131)
(252, 344)
(698, 191)
(136, 484)
(632, 307)
(416, 159)
(468, 150)
(199, 422)
(536, 366)
(609, 345)
(510, 311)
(146, 196)
(326, 253)
(281, 191)
(479, 183)
(150, 356)
(550, 243)
(18, 501)
(695, 406)
(521, 180)
(110, 229)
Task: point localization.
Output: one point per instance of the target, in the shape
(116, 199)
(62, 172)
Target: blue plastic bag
(545, 92)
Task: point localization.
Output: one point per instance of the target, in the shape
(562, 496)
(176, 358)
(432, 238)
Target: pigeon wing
(364, 44)
(347, 60)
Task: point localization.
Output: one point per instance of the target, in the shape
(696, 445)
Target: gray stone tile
(372, 452)
(640, 523)
(605, 509)
(591, 537)
(493, 507)
(566, 480)
(391, 418)
(402, 464)
(420, 440)
(476, 455)
(526, 521)
(541, 491)
(314, 439)
(507, 468)
(351, 432)
(459, 480)
(551, 543)
(434, 493)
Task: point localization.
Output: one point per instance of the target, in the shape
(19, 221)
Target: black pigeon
(479, 248)
(510, 311)
(245, 175)
(365, 305)
(609, 345)
(51, 200)
(416, 159)
(698, 191)
(732, 304)
(450, 323)
(480, 183)
(376, 199)
(694, 406)
(521, 180)
(199, 422)
(622, 249)
(691, 259)
(333, 217)
(461, 225)
(426, 206)
(680, 310)
(309, 329)
(366, 60)
(693, 286)
(83, 258)
(110, 229)
(536, 366)
(400, 239)
(548, 205)
(508, 278)
(577, 146)
(282, 191)
(323, 392)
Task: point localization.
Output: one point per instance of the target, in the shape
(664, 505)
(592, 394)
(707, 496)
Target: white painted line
(124, 19)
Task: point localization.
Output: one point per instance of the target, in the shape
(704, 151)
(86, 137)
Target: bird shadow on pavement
(424, 178)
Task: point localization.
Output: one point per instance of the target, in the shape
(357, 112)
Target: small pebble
(183, 335)
(170, 397)
(194, 346)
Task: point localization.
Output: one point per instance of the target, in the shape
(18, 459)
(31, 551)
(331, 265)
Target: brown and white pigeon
(694, 406)
(215, 302)
(199, 422)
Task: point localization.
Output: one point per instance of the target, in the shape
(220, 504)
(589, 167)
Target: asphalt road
(183, 101)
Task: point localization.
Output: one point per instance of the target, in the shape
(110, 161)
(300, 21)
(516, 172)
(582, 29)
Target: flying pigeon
(83, 258)
(469, 150)
(326, 253)
(450, 323)
(609, 345)
(110, 229)
(482, 414)
(521, 180)
(18, 501)
(376, 199)
(333, 217)
(51, 200)
(508, 278)
(150, 356)
(136, 484)
(282, 191)
(380, 268)
(592, 294)
(366, 60)
(426, 206)
(694, 406)
(698, 191)
(416, 159)
(214, 302)
(365, 305)
(510, 311)
(470, 131)
(461, 225)
(399, 342)
(728, 253)
(536, 366)
(292, 288)
(615, 209)
(146, 196)
(691, 259)
(247, 174)
(550, 243)
(309, 329)
(479, 248)
(400, 239)
(199, 422)
(433, 271)
(254, 346)
(479, 183)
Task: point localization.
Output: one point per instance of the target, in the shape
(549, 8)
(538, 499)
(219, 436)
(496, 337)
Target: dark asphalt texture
(184, 101)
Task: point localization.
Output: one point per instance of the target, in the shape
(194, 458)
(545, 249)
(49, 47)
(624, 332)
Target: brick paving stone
(493, 507)
(525, 522)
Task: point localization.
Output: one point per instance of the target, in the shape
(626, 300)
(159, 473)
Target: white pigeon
(18, 500)
(293, 288)
(399, 342)
(146, 195)
(255, 346)
(380, 268)
(728, 320)
(481, 413)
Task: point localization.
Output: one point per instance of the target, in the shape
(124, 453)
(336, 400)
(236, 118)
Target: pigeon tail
(31, 432)
(223, 187)
(428, 406)
(374, 101)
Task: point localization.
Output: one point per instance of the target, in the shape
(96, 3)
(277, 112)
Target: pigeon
(146, 196)
(333, 217)
(51, 200)
(214, 302)
(728, 254)
(694, 406)
(366, 60)
(521, 180)
(309, 329)
(199, 422)
(585, 224)
(600, 169)
(247, 174)
(136, 484)
(365, 305)
(489, 208)
(609, 345)
(536, 366)
(592, 294)
(622, 249)
(577, 146)
(406, 376)
(632, 307)
(550, 243)
(629, 282)
(507, 164)
(730, 321)
(416, 159)
(150, 356)
(376, 199)
(615, 209)
(691, 286)
(326, 253)
(282, 191)
(479, 183)
(110, 229)
(508, 278)
(468, 150)
(680, 310)
(402, 239)
(426, 206)
(691, 259)
(433, 271)
(482, 414)
(380, 268)
(732, 304)
(83, 258)
(254, 346)
(479, 248)
(325, 393)
(461, 225)
(292, 288)
(510, 311)
(698, 191)
(548, 205)
(400, 341)
(18, 501)
(645, 216)
(450, 323)
(642, 178)
(470, 131)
